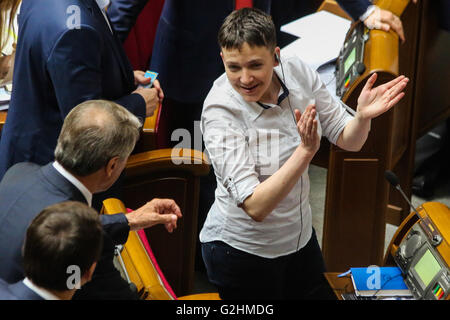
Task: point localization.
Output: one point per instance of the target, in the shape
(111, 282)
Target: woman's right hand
(307, 128)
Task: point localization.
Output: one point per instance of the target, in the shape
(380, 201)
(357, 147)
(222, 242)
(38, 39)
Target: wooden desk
(359, 201)
(339, 285)
(3, 115)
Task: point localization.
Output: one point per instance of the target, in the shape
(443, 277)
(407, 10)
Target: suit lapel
(111, 39)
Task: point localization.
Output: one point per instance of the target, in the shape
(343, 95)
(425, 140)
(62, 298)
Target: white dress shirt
(66, 174)
(103, 5)
(40, 291)
(248, 142)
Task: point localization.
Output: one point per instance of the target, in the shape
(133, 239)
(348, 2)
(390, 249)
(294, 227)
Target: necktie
(243, 4)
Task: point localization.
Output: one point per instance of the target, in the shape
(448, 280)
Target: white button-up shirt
(103, 5)
(43, 293)
(77, 183)
(248, 142)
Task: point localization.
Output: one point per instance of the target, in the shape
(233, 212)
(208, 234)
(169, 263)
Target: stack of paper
(321, 36)
(5, 96)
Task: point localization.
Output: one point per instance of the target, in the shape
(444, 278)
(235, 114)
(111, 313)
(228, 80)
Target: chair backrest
(174, 174)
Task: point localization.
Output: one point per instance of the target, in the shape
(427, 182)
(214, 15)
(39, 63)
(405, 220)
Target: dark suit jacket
(185, 51)
(17, 291)
(28, 188)
(57, 66)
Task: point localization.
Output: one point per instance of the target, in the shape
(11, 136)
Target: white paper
(321, 36)
(5, 96)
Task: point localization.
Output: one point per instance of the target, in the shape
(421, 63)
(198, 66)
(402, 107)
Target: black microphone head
(391, 177)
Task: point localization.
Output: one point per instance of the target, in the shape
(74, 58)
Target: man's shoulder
(20, 177)
(55, 17)
(22, 169)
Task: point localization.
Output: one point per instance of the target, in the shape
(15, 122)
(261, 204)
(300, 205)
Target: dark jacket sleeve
(116, 227)
(123, 15)
(76, 70)
(355, 8)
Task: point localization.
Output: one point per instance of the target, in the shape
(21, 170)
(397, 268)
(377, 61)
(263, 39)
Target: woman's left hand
(373, 102)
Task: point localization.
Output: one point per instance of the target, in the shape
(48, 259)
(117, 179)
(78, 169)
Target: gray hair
(93, 133)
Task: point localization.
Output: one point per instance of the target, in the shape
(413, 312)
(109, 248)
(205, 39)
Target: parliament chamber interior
(386, 205)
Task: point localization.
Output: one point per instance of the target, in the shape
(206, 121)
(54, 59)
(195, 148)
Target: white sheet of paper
(321, 36)
(5, 96)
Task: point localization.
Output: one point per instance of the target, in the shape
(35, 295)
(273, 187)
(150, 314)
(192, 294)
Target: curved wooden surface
(140, 268)
(190, 160)
(439, 215)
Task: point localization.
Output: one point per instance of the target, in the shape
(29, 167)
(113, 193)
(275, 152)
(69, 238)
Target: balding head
(93, 133)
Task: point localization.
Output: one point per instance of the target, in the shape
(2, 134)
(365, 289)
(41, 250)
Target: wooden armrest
(333, 7)
(151, 123)
(190, 160)
(3, 115)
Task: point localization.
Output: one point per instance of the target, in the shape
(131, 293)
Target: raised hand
(375, 101)
(307, 128)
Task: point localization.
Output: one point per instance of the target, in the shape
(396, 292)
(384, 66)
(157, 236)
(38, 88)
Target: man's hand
(374, 101)
(157, 211)
(153, 96)
(385, 20)
(307, 128)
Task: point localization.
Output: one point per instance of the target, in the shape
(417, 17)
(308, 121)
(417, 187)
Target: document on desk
(5, 97)
(321, 36)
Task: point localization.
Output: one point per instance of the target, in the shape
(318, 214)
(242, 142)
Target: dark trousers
(240, 275)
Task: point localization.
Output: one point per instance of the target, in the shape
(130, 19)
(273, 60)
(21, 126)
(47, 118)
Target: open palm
(375, 101)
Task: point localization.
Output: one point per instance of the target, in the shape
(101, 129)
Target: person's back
(66, 54)
(62, 246)
(21, 202)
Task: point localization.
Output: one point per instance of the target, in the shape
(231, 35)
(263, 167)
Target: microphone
(393, 180)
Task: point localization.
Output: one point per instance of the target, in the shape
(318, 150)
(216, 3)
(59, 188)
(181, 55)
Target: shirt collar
(39, 291)
(284, 92)
(103, 4)
(77, 183)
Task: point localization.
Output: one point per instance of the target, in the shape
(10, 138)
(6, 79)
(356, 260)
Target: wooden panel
(175, 251)
(352, 224)
(174, 174)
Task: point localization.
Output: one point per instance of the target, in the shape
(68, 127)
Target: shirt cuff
(368, 12)
(240, 190)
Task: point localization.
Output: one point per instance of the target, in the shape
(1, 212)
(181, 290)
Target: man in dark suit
(67, 53)
(62, 246)
(95, 141)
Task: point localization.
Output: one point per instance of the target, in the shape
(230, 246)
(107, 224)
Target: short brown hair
(247, 25)
(62, 235)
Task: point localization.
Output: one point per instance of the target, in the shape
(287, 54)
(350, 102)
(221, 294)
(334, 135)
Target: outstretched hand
(373, 102)
(157, 211)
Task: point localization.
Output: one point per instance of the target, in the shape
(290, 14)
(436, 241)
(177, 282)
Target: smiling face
(250, 70)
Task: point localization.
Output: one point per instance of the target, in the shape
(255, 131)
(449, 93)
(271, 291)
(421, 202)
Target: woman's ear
(277, 56)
